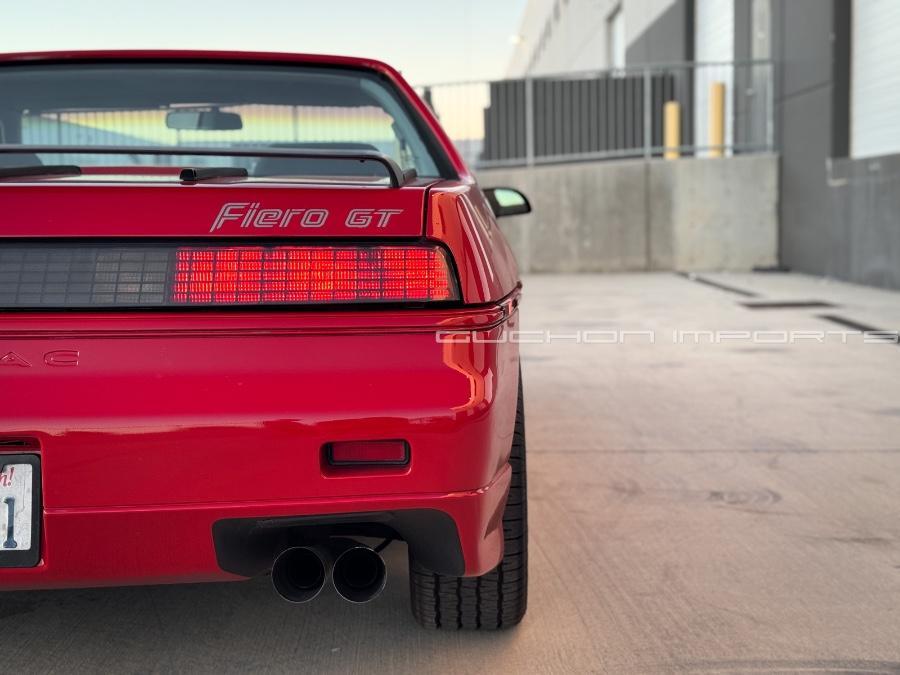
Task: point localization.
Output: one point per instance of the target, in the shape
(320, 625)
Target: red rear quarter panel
(460, 217)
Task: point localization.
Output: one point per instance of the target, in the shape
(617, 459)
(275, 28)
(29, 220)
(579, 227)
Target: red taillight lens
(86, 275)
(346, 453)
(311, 274)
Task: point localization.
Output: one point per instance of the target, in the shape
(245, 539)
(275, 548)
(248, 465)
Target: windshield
(212, 105)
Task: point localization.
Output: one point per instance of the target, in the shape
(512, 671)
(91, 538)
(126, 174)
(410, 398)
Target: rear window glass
(211, 105)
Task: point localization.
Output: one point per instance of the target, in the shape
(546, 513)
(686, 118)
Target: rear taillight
(306, 274)
(88, 276)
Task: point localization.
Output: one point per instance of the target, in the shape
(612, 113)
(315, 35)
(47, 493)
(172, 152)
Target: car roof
(197, 55)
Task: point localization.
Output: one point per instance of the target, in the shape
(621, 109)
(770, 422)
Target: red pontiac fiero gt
(253, 320)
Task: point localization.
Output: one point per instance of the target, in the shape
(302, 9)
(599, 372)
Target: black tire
(494, 600)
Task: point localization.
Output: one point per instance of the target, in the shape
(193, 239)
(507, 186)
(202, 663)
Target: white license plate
(16, 495)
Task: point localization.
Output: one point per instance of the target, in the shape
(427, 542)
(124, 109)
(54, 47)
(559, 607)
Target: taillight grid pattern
(308, 274)
(82, 275)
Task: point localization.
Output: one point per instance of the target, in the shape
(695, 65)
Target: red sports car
(257, 318)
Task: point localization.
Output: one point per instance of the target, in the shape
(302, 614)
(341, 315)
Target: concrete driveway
(699, 503)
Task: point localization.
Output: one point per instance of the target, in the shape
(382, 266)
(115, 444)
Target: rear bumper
(161, 545)
(165, 435)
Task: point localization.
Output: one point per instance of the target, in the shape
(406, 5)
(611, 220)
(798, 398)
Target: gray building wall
(812, 237)
(837, 216)
(668, 39)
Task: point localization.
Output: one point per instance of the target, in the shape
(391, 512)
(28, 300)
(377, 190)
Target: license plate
(19, 510)
(16, 498)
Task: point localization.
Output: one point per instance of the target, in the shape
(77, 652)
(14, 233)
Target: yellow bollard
(717, 119)
(672, 130)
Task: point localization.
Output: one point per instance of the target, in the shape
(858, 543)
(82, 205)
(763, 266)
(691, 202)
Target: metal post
(716, 125)
(529, 121)
(648, 115)
(672, 130)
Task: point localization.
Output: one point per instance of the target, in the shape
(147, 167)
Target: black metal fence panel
(607, 114)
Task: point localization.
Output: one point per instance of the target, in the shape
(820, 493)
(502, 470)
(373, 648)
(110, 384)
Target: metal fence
(609, 114)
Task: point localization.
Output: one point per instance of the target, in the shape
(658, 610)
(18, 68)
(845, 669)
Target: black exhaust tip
(359, 574)
(298, 574)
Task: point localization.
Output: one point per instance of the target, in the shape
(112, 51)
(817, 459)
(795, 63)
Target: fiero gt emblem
(251, 215)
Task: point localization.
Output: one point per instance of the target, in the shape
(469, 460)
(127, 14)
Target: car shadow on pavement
(226, 627)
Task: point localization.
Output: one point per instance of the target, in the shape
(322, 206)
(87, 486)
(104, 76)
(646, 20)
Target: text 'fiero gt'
(252, 215)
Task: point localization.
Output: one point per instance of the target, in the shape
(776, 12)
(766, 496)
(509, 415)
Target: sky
(429, 41)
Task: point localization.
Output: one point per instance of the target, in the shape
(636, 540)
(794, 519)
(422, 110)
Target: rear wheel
(494, 600)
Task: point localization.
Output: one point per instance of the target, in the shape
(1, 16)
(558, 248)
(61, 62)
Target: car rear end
(250, 304)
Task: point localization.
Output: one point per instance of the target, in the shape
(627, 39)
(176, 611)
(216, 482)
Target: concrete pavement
(727, 506)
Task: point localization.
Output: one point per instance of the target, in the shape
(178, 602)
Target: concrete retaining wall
(689, 215)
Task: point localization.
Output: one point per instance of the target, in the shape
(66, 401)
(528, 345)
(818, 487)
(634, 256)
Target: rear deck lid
(93, 246)
(76, 208)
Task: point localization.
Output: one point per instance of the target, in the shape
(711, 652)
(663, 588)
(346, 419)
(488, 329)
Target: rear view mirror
(205, 120)
(507, 201)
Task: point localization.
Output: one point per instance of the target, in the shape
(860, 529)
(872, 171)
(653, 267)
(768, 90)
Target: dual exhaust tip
(357, 572)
